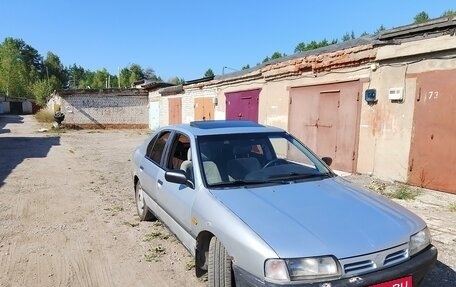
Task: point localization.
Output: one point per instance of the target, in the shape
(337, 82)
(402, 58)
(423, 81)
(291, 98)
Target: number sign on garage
(432, 161)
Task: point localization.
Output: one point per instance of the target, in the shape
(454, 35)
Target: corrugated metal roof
(443, 24)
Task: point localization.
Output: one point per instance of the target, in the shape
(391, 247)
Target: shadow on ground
(441, 275)
(9, 119)
(14, 150)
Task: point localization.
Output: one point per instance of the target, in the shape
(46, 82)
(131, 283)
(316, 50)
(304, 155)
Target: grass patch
(190, 265)
(154, 254)
(452, 207)
(131, 224)
(403, 192)
(44, 116)
(155, 234)
(114, 210)
(377, 186)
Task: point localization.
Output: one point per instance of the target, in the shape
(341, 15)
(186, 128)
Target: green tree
(276, 55)
(209, 73)
(33, 62)
(176, 81)
(55, 68)
(149, 74)
(380, 29)
(100, 79)
(136, 73)
(41, 90)
(347, 36)
(301, 47)
(449, 13)
(246, 67)
(125, 78)
(421, 17)
(14, 77)
(76, 77)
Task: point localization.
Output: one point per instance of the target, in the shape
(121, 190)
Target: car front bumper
(417, 267)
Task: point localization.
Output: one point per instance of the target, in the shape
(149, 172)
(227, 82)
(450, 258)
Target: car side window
(179, 149)
(156, 147)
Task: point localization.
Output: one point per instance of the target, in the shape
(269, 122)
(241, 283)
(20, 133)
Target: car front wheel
(143, 211)
(220, 273)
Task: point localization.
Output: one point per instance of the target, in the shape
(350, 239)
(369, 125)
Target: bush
(44, 116)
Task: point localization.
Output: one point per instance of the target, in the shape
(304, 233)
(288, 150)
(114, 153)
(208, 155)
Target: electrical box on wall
(396, 94)
(370, 95)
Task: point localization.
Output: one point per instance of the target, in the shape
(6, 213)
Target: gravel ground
(67, 214)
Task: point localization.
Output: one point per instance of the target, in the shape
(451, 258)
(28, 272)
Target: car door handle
(141, 168)
(159, 183)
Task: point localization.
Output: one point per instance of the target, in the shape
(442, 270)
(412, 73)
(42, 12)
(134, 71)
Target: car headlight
(302, 268)
(419, 241)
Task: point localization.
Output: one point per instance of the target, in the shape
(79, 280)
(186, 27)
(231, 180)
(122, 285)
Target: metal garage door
(432, 161)
(326, 118)
(242, 105)
(154, 115)
(204, 109)
(175, 111)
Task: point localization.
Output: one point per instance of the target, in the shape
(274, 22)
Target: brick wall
(106, 109)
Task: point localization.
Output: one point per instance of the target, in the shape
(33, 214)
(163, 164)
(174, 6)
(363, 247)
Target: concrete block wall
(164, 112)
(105, 110)
(188, 108)
(188, 103)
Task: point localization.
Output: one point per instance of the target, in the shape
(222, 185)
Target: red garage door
(242, 105)
(432, 161)
(175, 111)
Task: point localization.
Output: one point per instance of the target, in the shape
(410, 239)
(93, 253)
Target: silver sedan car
(256, 207)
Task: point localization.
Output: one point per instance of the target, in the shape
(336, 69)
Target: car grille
(367, 263)
(359, 267)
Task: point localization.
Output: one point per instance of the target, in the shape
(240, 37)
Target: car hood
(323, 217)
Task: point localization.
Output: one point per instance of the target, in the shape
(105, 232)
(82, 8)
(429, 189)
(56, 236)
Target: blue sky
(185, 38)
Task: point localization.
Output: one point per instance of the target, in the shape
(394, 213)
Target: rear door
(151, 170)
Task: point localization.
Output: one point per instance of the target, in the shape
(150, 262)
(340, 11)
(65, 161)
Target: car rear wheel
(143, 211)
(220, 273)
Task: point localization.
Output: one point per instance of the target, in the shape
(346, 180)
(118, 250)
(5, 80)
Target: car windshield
(259, 158)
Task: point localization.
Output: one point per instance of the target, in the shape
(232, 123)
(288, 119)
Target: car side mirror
(327, 160)
(178, 176)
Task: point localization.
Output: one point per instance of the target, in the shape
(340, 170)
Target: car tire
(144, 212)
(220, 272)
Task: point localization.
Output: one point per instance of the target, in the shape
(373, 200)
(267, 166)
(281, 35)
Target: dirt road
(67, 215)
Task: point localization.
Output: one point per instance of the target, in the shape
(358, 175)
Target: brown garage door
(175, 111)
(432, 162)
(326, 118)
(204, 109)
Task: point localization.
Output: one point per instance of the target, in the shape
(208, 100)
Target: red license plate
(401, 282)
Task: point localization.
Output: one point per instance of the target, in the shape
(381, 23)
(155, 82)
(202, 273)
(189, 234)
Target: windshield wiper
(295, 176)
(248, 182)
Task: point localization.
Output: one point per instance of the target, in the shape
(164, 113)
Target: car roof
(216, 127)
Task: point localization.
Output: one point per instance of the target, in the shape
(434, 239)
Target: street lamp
(225, 67)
